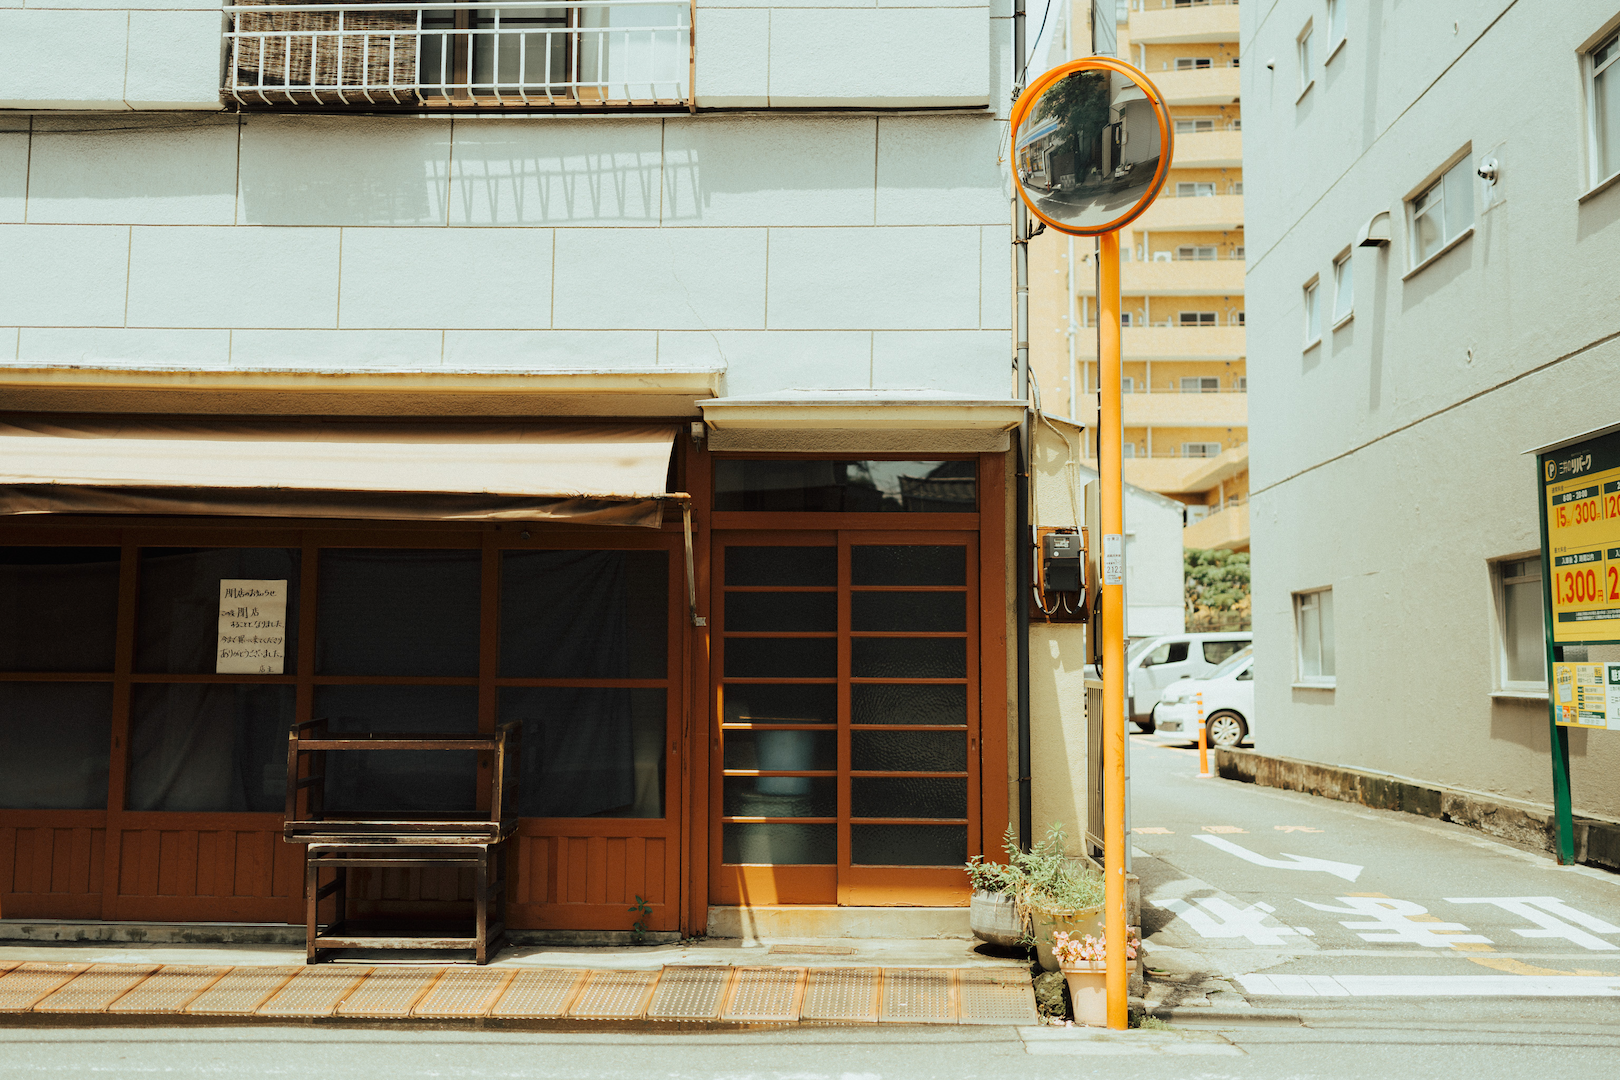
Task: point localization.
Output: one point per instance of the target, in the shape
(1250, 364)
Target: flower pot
(1088, 991)
(1074, 923)
(994, 918)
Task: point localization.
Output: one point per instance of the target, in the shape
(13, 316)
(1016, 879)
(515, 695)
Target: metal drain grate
(463, 993)
(764, 995)
(540, 992)
(996, 997)
(689, 993)
(27, 983)
(615, 995)
(314, 992)
(169, 990)
(918, 996)
(241, 991)
(96, 989)
(842, 995)
(388, 992)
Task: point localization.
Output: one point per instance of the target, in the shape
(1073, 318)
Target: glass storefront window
(822, 486)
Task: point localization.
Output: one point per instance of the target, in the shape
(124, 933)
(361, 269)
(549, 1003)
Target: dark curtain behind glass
(58, 608)
(363, 782)
(398, 612)
(202, 747)
(54, 745)
(589, 751)
(177, 614)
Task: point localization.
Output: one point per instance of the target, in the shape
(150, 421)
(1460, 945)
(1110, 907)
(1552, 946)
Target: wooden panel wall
(575, 882)
(232, 868)
(51, 869)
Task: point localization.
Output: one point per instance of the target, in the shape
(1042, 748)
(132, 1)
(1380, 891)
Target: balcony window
(1195, 318)
(1200, 384)
(1442, 212)
(1127, 385)
(1196, 254)
(1193, 63)
(1237, 253)
(1125, 319)
(1603, 111)
(600, 54)
(1200, 449)
(1194, 190)
(1237, 318)
(1313, 633)
(1235, 124)
(1241, 382)
(1128, 450)
(1193, 127)
(1237, 187)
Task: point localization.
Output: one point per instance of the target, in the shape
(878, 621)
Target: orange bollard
(1203, 742)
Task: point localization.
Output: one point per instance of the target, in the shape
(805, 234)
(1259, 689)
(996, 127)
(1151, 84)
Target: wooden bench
(416, 841)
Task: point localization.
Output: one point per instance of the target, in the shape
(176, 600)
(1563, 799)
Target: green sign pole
(1558, 736)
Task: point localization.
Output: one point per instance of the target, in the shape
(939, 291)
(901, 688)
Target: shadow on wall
(1597, 213)
(1438, 274)
(1524, 723)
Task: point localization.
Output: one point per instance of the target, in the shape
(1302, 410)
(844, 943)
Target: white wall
(1387, 462)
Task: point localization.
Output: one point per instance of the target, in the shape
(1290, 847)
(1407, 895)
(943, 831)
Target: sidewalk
(711, 983)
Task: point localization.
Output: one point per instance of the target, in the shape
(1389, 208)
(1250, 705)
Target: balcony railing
(524, 54)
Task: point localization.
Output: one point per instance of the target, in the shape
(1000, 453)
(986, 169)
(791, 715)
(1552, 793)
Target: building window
(1128, 450)
(1195, 318)
(1305, 69)
(1241, 384)
(1127, 385)
(1235, 124)
(1519, 618)
(1313, 629)
(1313, 313)
(1193, 127)
(1603, 94)
(1232, 62)
(1237, 187)
(1344, 288)
(1238, 318)
(1195, 254)
(1442, 212)
(1200, 384)
(1338, 23)
(1237, 252)
(1195, 190)
(1195, 513)
(1125, 318)
(1192, 63)
(1200, 449)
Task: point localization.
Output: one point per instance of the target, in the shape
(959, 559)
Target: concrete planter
(994, 918)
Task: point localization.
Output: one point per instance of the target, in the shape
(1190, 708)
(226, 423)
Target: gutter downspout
(1021, 580)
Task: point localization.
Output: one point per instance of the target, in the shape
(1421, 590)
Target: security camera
(1271, 65)
(1487, 170)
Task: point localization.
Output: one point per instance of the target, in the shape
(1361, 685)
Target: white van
(1153, 664)
(1227, 699)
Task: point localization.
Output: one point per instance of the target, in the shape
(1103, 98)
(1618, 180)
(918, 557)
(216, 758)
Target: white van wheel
(1225, 729)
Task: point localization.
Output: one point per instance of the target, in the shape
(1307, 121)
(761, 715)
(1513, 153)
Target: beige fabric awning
(610, 474)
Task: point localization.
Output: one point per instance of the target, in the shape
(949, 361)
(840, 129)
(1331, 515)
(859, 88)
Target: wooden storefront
(834, 734)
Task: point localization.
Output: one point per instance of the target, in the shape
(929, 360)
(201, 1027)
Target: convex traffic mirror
(1091, 145)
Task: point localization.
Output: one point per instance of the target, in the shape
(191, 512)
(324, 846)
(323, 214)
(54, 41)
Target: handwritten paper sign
(252, 626)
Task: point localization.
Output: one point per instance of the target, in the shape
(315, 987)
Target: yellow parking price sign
(1581, 487)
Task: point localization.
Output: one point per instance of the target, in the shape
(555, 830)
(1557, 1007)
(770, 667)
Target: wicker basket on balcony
(316, 57)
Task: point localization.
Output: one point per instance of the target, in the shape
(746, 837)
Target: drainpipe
(1021, 581)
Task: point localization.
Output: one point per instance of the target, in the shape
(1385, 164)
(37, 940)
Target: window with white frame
(1194, 126)
(1338, 12)
(1237, 252)
(1523, 655)
(1313, 631)
(1200, 384)
(1603, 109)
(1195, 253)
(1200, 449)
(1192, 63)
(1306, 69)
(1125, 318)
(1237, 187)
(1127, 385)
(1235, 124)
(1241, 383)
(1313, 313)
(1442, 211)
(1233, 62)
(1185, 190)
(1344, 287)
(1237, 318)
(1195, 318)
(1128, 450)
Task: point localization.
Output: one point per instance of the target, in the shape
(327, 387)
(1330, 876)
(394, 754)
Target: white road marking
(1549, 926)
(1219, 919)
(1394, 919)
(1430, 985)
(1348, 871)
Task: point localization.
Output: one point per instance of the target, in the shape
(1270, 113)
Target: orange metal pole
(1110, 437)
(1203, 741)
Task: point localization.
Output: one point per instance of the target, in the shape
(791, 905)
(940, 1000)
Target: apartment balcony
(1183, 476)
(1170, 409)
(1171, 343)
(1209, 150)
(555, 55)
(1183, 277)
(1204, 86)
(1193, 213)
(1188, 24)
(1228, 528)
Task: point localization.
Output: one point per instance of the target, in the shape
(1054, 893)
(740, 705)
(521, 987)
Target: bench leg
(481, 907)
(312, 892)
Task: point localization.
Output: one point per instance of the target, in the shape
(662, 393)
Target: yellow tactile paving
(689, 993)
(96, 989)
(169, 990)
(315, 991)
(614, 995)
(462, 993)
(995, 996)
(540, 992)
(27, 983)
(918, 996)
(764, 995)
(842, 995)
(241, 991)
(389, 992)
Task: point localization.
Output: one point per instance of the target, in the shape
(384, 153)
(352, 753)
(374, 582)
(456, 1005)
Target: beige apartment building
(1185, 372)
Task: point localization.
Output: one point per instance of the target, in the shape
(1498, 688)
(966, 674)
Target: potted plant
(1084, 963)
(1033, 893)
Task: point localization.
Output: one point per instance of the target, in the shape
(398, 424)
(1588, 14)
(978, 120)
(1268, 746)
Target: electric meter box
(1061, 562)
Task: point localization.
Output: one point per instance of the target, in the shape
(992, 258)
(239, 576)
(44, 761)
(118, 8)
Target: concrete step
(811, 921)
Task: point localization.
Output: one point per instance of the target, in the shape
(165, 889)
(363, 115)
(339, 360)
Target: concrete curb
(1597, 843)
(1190, 1016)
